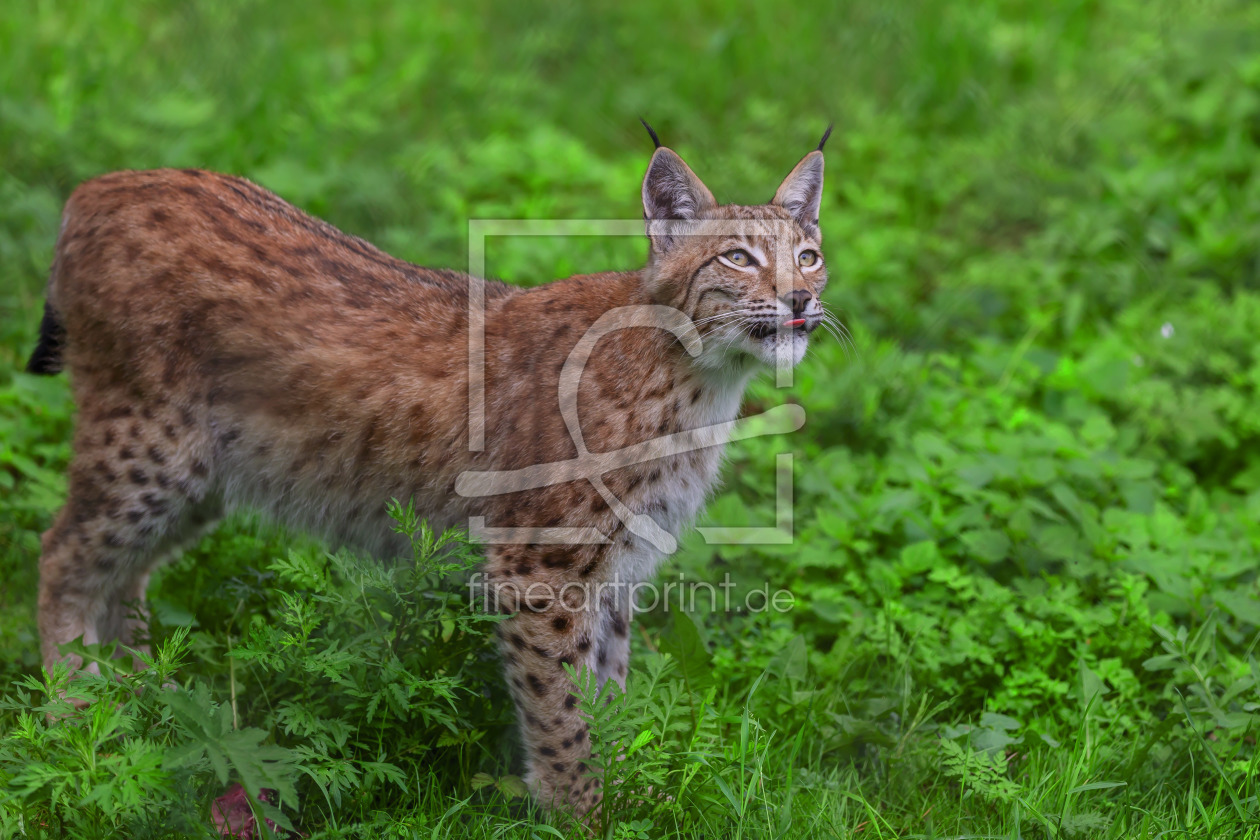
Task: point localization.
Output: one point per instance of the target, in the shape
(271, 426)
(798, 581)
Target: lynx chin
(228, 351)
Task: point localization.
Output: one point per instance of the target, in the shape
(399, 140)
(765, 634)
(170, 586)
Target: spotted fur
(227, 351)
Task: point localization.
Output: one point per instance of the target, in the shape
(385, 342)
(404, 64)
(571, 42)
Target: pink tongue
(798, 322)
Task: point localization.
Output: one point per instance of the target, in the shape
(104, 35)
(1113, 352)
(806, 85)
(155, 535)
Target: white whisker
(721, 315)
(841, 333)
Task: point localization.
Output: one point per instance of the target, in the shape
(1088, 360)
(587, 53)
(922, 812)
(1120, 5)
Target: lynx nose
(797, 300)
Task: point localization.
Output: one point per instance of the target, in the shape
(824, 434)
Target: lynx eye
(807, 258)
(739, 257)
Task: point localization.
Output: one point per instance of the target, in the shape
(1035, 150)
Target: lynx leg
(612, 656)
(544, 635)
(137, 491)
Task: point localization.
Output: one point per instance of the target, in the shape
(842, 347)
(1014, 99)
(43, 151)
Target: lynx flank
(227, 351)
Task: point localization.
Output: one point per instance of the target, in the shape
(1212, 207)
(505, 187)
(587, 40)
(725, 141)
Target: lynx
(228, 351)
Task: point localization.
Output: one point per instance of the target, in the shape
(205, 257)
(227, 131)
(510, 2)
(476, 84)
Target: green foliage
(139, 760)
(1026, 502)
(375, 672)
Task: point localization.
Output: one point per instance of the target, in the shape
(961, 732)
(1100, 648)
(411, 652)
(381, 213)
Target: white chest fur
(682, 482)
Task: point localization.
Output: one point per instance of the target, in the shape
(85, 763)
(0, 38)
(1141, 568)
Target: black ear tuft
(821, 142)
(652, 133)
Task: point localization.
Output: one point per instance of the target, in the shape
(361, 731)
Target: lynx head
(749, 277)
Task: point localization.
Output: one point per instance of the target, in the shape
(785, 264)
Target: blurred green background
(1028, 502)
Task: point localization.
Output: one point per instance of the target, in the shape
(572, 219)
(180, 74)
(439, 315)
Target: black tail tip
(46, 359)
(44, 363)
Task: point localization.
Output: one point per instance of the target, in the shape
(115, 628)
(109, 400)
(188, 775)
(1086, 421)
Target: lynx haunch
(227, 351)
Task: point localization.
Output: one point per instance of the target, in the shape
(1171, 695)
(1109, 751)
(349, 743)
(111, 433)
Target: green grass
(1027, 507)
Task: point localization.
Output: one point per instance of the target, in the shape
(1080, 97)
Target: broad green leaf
(681, 640)
(987, 545)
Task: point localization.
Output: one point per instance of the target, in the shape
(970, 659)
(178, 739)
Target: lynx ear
(671, 192)
(801, 191)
